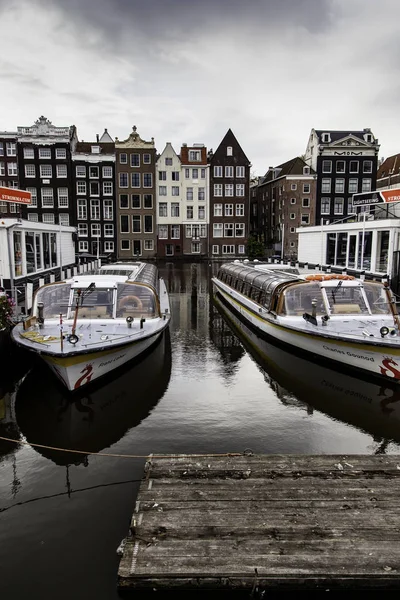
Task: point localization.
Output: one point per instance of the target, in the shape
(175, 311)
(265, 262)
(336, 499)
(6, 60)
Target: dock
(265, 522)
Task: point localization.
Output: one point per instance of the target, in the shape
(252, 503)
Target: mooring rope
(109, 454)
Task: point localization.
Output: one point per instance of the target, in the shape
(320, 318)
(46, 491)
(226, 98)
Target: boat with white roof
(91, 324)
(335, 317)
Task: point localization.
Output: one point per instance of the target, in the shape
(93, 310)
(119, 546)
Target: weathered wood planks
(265, 521)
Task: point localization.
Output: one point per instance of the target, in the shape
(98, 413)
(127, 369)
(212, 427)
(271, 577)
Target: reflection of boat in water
(373, 405)
(47, 415)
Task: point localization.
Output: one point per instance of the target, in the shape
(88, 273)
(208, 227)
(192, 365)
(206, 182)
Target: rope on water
(109, 454)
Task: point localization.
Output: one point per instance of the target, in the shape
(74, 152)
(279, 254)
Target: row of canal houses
(124, 198)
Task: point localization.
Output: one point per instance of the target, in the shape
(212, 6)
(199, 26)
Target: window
(135, 180)
(217, 230)
(81, 187)
(168, 161)
(162, 190)
(194, 155)
(366, 185)
(293, 186)
(217, 171)
(240, 189)
(107, 171)
(229, 151)
(292, 215)
(3, 168)
(338, 206)
(202, 212)
(123, 201)
(44, 153)
(48, 218)
(215, 249)
(148, 245)
(108, 246)
(123, 158)
(125, 244)
(175, 190)
(33, 217)
(47, 197)
(82, 209)
(124, 224)
(63, 219)
(326, 186)
(229, 210)
(327, 166)
(351, 210)
(228, 171)
(240, 172)
(201, 194)
(292, 200)
(187, 173)
(95, 230)
(228, 249)
(1, 149)
(175, 175)
(80, 171)
(326, 137)
(189, 212)
(123, 180)
(240, 210)
(305, 219)
(62, 197)
(61, 153)
(94, 187)
(95, 149)
(195, 173)
(46, 171)
(13, 207)
(340, 166)
(239, 229)
(353, 186)
(163, 232)
(196, 248)
(228, 230)
(61, 170)
(325, 206)
(339, 186)
(83, 246)
(202, 173)
(33, 197)
(306, 188)
(175, 232)
(293, 230)
(136, 224)
(148, 224)
(306, 170)
(229, 189)
(107, 188)
(217, 189)
(29, 153)
(135, 160)
(367, 166)
(292, 244)
(163, 209)
(82, 230)
(135, 200)
(306, 203)
(162, 175)
(146, 159)
(147, 200)
(189, 193)
(108, 210)
(11, 148)
(217, 210)
(12, 169)
(93, 172)
(95, 209)
(175, 209)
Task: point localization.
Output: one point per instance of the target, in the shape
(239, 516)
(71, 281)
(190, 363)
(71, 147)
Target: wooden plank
(215, 521)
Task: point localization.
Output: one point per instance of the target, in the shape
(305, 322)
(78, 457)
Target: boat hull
(374, 359)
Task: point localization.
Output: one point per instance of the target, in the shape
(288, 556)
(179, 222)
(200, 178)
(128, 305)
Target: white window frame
(218, 230)
(80, 170)
(218, 171)
(30, 171)
(62, 196)
(62, 171)
(83, 246)
(240, 172)
(46, 169)
(218, 210)
(61, 153)
(29, 153)
(107, 172)
(239, 210)
(45, 153)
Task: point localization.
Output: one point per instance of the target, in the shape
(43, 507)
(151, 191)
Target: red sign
(13, 195)
(377, 197)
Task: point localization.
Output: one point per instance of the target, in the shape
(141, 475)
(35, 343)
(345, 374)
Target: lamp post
(9, 229)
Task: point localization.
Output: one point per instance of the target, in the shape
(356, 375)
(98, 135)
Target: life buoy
(131, 300)
(322, 277)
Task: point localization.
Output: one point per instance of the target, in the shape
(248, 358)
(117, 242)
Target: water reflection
(94, 420)
(368, 405)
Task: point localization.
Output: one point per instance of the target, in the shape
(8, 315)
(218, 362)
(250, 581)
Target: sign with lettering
(13, 195)
(377, 197)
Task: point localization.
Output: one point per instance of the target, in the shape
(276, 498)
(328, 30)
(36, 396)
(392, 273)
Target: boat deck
(256, 523)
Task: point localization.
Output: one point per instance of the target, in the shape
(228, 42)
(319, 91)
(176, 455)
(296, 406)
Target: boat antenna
(335, 290)
(80, 295)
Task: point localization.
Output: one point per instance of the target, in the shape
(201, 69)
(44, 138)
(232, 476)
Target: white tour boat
(85, 327)
(334, 317)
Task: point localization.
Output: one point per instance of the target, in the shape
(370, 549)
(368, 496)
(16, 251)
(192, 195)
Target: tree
(255, 248)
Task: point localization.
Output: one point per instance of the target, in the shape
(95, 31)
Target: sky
(185, 71)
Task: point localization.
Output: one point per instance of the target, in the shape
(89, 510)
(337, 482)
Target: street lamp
(9, 229)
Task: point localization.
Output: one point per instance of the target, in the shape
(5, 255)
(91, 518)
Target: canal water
(209, 386)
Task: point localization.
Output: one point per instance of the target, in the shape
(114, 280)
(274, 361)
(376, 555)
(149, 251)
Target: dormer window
(95, 149)
(194, 155)
(229, 151)
(368, 138)
(326, 137)
(306, 170)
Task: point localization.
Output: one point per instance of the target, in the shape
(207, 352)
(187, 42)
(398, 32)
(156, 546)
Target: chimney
(97, 137)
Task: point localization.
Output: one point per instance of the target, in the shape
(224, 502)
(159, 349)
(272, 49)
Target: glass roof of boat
(257, 278)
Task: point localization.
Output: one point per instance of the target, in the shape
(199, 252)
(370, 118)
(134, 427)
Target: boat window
(377, 298)
(346, 300)
(136, 301)
(98, 304)
(255, 294)
(55, 299)
(298, 299)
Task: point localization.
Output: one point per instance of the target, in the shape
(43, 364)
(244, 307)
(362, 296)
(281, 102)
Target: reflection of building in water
(228, 344)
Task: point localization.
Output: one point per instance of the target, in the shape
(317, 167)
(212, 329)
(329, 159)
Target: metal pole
(11, 265)
(362, 243)
(322, 242)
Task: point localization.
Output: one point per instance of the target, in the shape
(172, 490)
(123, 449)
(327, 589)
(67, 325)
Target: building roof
(390, 166)
(293, 166)
(106, 137)
(86, 147)
(337, 135)
(230, 139)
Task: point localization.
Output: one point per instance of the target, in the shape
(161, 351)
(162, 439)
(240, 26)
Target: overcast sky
(187, 70)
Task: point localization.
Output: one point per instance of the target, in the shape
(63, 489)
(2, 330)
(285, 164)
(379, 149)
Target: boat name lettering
(370, 358)
(108, 362)
(334, 350)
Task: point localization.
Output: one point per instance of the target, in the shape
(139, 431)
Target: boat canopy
(148, 276)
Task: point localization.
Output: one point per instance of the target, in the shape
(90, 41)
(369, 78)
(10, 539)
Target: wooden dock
(257, 523)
